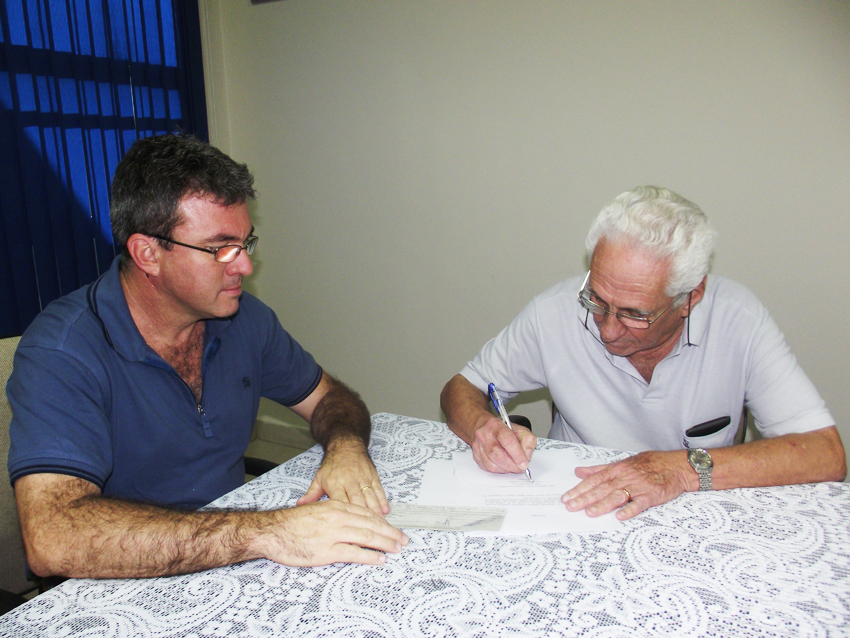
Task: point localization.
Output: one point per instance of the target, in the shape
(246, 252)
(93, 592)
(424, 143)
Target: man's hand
(494, 446)
(347, 474)
(339, 420)
(328, 532)
(498, 449)
(650, 478)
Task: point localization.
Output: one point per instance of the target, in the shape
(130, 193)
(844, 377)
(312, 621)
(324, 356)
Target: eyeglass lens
(229, 253)
(627, 320)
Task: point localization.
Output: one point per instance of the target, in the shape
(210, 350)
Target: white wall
(426, 167)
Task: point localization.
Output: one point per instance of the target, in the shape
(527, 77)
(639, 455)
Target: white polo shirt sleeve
(778, 392)
(512, 359)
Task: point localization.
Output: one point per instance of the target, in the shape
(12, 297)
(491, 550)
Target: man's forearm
(340, 414)
(465, 407)
(89, 535)
(148, 541)
(70, 530)
(791, 459)
(652, 478)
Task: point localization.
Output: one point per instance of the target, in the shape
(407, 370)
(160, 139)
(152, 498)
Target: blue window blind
(80, 81)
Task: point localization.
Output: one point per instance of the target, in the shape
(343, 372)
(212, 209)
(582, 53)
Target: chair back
(12, 556)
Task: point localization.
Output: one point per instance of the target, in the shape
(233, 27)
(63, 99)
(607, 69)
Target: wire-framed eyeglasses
(224, 254)
(587, 299)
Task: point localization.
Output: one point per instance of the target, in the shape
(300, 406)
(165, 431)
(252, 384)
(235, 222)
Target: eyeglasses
(636, 322)
(224, 254)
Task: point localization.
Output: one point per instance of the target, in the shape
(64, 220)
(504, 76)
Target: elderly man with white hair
(637, 352)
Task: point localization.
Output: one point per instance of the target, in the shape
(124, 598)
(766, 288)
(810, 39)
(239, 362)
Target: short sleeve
(779, 394)
(289, 372)
(59, 422)
(512, 359)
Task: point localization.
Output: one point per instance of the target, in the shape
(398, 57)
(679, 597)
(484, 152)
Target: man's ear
(696, 296)
(145, 251)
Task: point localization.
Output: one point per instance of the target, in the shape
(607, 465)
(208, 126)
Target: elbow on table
(50, 533)
(447, 395)
(811, 457)
(834, 462)
(839, 468)
(43, 556)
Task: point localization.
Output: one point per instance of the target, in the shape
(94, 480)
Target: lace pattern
(744, 563)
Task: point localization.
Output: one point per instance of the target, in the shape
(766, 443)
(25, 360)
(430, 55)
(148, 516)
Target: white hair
(664, 224)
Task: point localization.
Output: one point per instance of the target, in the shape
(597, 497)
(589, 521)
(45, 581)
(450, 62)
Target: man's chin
(618, 349)
(228, 308)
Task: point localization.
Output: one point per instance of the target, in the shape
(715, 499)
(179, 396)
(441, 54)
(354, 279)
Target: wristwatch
(701, 461)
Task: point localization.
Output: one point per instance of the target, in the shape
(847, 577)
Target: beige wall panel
(426, 167)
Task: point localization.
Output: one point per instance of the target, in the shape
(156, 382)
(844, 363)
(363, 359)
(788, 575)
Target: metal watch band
(702, 463)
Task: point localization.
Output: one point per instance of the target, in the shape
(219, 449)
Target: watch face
(700, 459)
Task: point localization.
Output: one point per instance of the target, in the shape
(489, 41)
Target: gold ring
(366, 487)
(628, 496)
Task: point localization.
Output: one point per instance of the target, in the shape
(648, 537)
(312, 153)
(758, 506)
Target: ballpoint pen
(500, 408)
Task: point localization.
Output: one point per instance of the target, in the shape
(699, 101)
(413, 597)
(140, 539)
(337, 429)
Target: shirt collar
(108, 303)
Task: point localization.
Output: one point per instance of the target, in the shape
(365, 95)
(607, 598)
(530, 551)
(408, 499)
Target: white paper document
(533, 507)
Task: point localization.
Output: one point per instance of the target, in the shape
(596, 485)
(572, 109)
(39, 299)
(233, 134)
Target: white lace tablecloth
(751, 562)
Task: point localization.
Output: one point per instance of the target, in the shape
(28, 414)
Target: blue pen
(500, 408)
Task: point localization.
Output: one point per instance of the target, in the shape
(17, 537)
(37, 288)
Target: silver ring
(628, 496)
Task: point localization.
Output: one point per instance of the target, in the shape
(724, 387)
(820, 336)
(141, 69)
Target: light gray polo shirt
(737, 357)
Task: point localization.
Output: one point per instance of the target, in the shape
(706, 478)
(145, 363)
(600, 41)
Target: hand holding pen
(500, 408)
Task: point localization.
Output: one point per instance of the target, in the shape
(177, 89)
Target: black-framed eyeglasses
(224, 254)
(636, 322)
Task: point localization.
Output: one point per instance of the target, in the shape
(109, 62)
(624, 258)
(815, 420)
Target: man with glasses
(648, 353)
(134, 398)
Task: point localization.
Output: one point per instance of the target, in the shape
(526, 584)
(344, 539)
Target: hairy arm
(339, 420)
(71, 530)
(494, 446)
(334, 412)
(653, 478)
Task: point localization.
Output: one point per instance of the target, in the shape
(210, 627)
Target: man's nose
(242, 265)
(610, 328)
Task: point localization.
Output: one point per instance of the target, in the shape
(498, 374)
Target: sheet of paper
(533, 507)
(440, 517)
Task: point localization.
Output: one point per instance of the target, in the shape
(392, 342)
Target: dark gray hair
(157, 173)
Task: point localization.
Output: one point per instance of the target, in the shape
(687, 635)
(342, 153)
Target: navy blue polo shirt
(91, 399)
